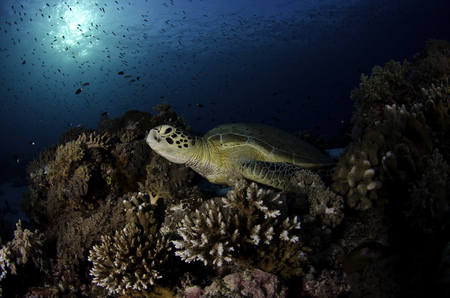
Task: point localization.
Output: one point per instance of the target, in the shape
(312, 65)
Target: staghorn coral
(174, 213)
(94, 140)
(239, 228)
(141, 212)
(25, 245)
(204, 237)
(129, 260)
(155, 189)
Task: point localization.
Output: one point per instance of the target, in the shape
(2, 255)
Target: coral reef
(25, 245)
(394, 173)
(355, 176)
(173, 176)
(247, 283)
(328, 284)
(73, 134)
(248, 222)
(79, 230)
(93, 141)
(324, 204)
(75, 197)
(130, 157)
(140, 211)
(396, 129)
(138, 122)
(383, 87)
(429, 201)
(118, 219)
(168, 116)
(129, 260)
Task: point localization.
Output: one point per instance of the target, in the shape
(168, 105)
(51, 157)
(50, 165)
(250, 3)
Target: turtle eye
(169, 129)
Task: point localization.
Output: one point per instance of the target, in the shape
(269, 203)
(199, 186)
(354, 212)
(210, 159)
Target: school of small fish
(291, 64)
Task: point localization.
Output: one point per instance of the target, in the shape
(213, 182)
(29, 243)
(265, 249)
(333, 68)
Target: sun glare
(72, 25)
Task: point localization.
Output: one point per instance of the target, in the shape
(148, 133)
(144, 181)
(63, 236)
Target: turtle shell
(265, 143)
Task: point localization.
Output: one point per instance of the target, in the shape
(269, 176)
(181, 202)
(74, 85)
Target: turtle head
(172, 143)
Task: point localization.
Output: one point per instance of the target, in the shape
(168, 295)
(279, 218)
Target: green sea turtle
(256, 152)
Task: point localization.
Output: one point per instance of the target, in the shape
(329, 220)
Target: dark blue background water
(290, 64)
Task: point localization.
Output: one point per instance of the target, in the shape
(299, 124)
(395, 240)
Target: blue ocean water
(290, 64)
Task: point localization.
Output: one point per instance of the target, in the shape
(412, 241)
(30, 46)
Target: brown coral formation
(247, 283)
(396, 129)
(79, 230)
(395, 173)
(324, 204)
(73, 196)
(429, 197)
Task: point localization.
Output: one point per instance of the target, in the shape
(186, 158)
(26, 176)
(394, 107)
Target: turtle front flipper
(275, 174)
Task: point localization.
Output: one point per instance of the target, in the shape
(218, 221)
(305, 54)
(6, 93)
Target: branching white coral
(128, 260)
(224, 229)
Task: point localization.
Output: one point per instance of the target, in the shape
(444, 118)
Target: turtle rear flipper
(275, 174)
